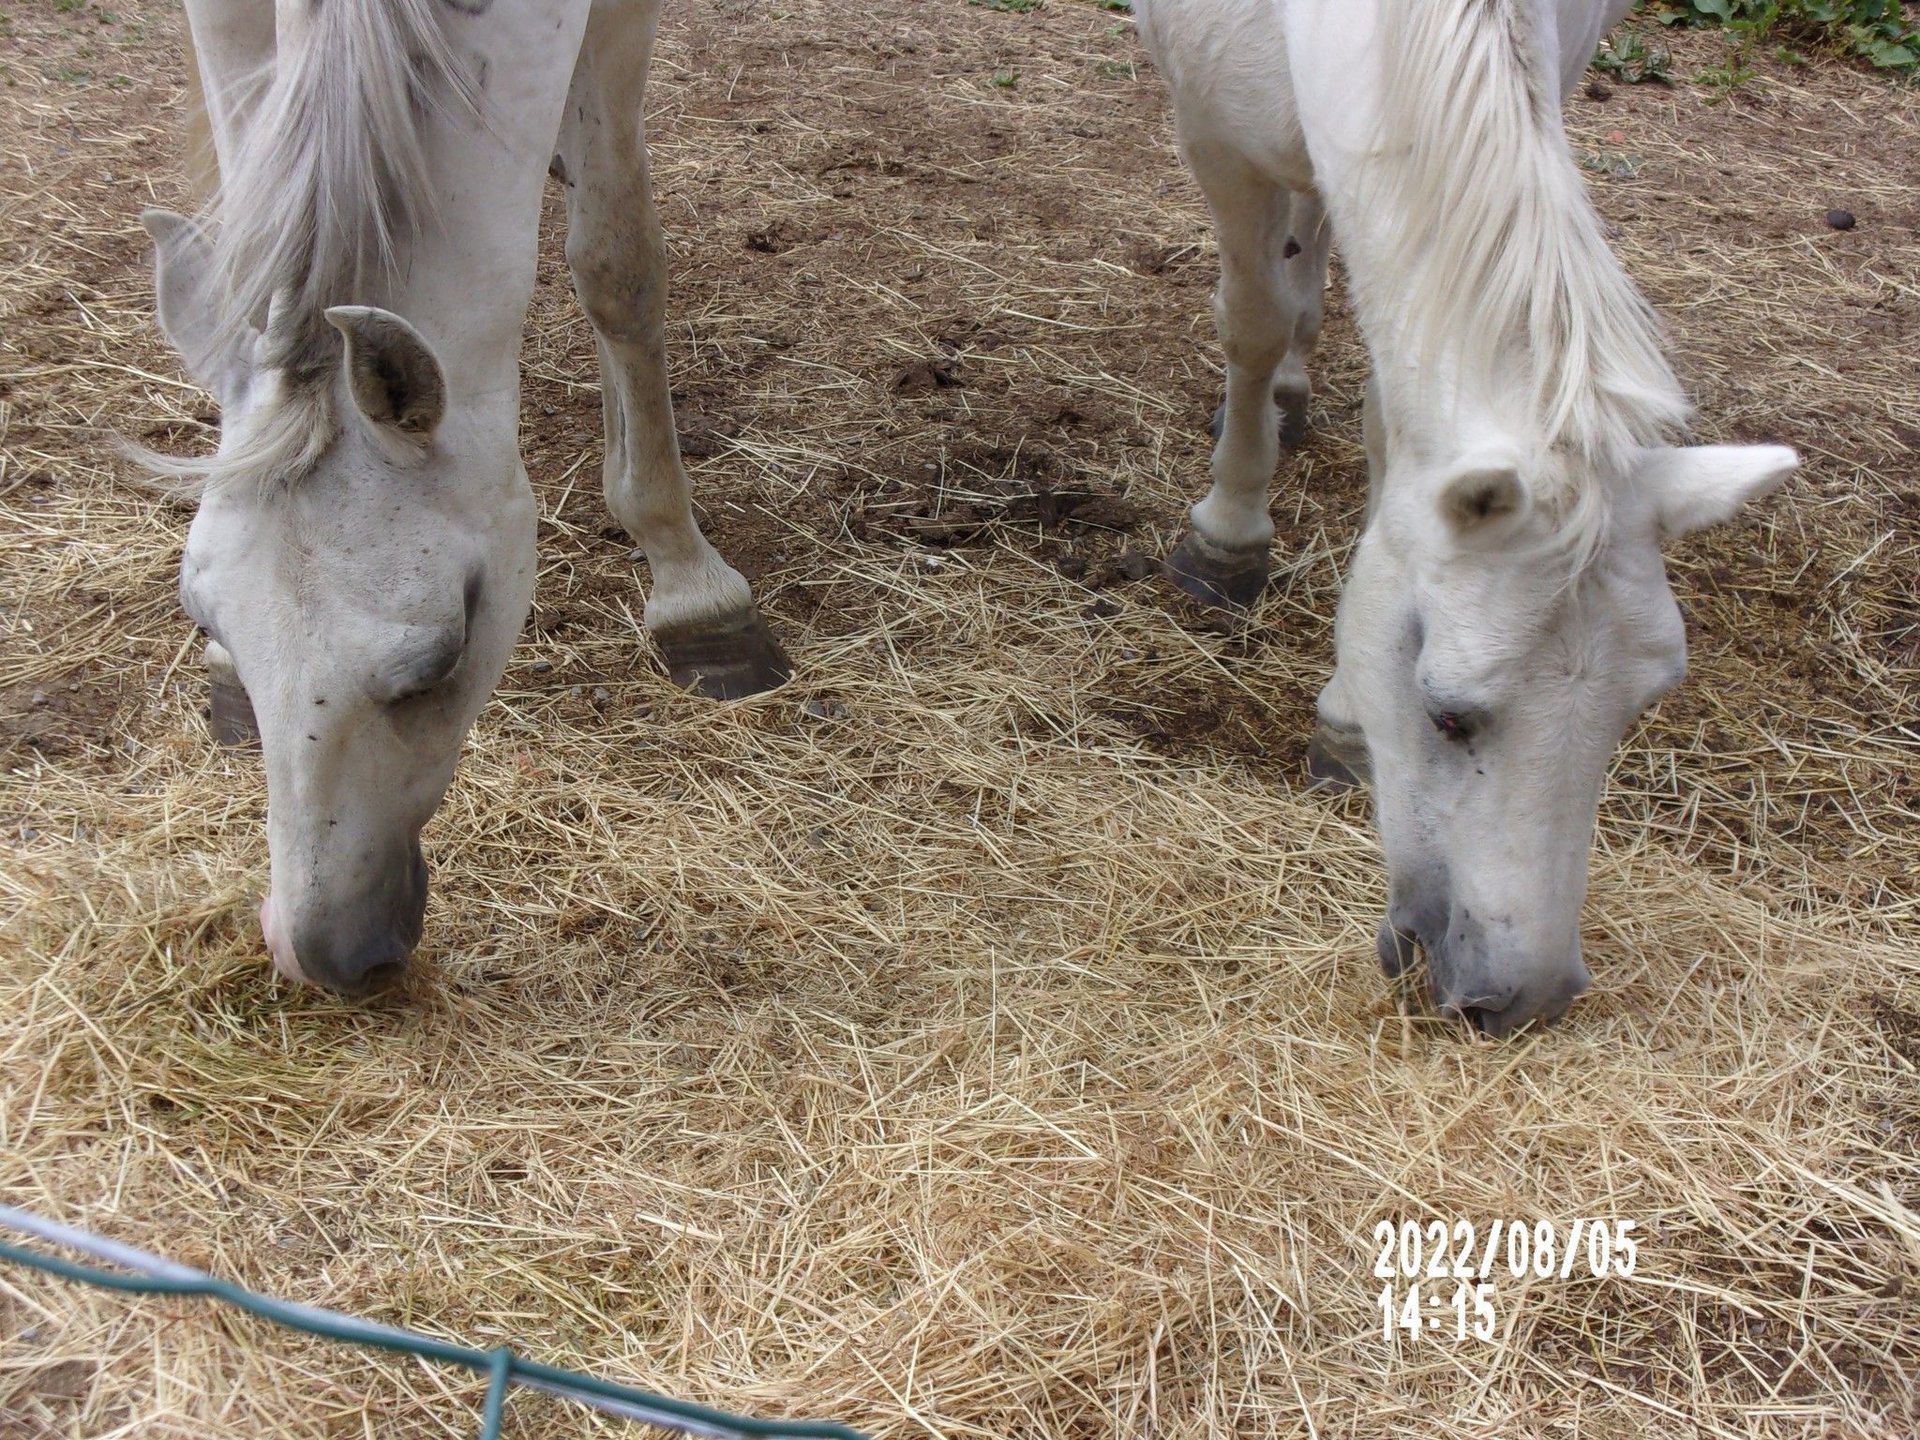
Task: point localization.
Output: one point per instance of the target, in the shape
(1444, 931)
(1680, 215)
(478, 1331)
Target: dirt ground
(981, 1035)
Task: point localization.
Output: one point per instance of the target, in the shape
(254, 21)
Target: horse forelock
(1504, 265)
(330, 177)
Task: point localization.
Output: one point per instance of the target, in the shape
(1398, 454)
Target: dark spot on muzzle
(363, 948)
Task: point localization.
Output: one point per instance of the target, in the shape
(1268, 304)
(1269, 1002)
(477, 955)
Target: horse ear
(187, 300)
(1694, 486)
(393, 373)
(1481, 496)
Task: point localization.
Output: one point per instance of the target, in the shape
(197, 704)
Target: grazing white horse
(363, 554)
(1507, 615)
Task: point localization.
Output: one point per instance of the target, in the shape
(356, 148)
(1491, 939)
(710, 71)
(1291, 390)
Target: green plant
(1006, 79)
(1728, 77)
(1877, 31)
(1617, 164)
(1627, 57)
(1011, 7)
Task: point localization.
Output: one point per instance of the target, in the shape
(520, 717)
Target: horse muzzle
(358, 947)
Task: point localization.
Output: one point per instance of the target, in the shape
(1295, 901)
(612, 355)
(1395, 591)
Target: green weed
(1627, 57)
(1877, 31)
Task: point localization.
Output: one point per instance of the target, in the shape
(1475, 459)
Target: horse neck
(1480, 272)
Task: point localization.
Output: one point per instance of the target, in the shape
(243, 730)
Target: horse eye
(1451, 724)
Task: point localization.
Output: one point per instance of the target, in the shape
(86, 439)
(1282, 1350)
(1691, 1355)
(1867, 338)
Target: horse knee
(1253, 339)
(616, 277)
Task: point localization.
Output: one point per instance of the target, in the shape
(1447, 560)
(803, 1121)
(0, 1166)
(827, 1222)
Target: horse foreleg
(230, 46)
(1223, 559)
(1337, 755)
(203, 162)
(1303, 291)
(701, 611)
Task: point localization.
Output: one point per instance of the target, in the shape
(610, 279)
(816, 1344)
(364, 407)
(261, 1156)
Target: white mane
(329, 177)
(1506, 269)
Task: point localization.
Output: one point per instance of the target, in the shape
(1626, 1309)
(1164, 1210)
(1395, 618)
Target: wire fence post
(500, 1376)
(154, 1275)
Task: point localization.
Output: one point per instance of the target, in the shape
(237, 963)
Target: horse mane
(330, 176)
(1486, 210)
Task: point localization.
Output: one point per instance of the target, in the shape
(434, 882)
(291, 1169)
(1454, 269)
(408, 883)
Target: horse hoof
(1337, 759)
(230, 712)
(725, 659)
(1228, 579)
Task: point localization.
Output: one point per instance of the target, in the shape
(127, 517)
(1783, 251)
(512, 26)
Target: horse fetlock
(230, 712)
(1292, 398)
(1290, 401)
(1337, 758)
(1227, 578)
(726, 657)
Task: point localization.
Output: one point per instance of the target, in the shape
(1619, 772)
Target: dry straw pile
(979, 1037)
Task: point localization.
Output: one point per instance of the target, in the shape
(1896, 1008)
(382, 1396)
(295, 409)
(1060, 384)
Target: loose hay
(980, 1036)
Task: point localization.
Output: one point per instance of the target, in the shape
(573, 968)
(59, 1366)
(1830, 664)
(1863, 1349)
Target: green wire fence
(152, 1275)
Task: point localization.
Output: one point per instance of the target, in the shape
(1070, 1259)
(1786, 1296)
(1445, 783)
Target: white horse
(1507, 614)
(363, 554)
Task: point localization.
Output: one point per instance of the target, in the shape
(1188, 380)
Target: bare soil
(981, 1036)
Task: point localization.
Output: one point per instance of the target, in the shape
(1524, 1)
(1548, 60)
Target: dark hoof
(1232, 579)
(1293, 419)
(725, 659)
(1337, 759)
(1397, 950)
(230, 714)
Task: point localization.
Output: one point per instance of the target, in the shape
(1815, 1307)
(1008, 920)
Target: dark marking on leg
(1291, 249)
(725, 659)
(1228, 579)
